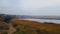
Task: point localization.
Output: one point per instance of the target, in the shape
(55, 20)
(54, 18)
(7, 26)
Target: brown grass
(54, 28)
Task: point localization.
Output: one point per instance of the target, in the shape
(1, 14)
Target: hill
(30, 27)
(38, 28)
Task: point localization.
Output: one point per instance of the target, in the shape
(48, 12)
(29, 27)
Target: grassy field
(32, 27)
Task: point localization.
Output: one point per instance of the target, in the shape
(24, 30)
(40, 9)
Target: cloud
(36, 4)
(30, 7)
(4, 3)
(9, 6)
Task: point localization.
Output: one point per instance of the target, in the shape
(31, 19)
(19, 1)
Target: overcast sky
(30, 7)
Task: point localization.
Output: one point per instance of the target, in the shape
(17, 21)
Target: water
(43, 20)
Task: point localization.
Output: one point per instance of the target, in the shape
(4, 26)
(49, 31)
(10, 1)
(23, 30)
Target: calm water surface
(43, 20)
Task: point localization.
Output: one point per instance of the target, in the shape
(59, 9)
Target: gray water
(43, 20)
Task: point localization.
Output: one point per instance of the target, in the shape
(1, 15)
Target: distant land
(35, 17)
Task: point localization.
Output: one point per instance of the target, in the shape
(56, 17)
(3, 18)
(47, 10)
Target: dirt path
(11, 30)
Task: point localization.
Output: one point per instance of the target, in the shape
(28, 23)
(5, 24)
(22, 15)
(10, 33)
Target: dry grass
(43, 27)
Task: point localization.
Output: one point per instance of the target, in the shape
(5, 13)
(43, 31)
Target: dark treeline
(6, 18)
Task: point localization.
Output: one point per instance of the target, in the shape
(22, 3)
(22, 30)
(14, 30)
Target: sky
(30, 7)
